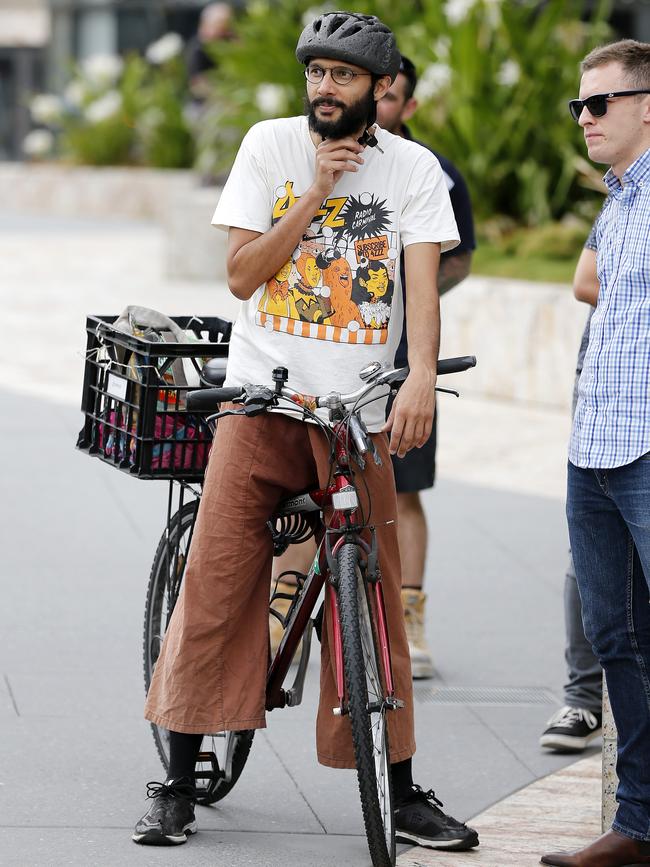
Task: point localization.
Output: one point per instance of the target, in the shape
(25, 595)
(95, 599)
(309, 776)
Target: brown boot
(610, 850)
(413, 602)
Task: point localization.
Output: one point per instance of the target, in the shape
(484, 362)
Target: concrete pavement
(79, 539)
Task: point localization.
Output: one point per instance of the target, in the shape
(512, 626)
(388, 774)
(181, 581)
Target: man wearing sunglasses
(608, 491)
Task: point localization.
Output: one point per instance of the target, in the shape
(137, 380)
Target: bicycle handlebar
(456, 365)
(207, 399)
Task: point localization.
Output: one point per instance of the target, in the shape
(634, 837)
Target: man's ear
(409, 109)
(382, 86)
(646, 112)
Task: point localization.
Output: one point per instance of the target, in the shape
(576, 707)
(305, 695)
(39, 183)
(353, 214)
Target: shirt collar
(637, 174)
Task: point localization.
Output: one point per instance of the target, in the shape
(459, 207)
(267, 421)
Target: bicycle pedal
(213, 773)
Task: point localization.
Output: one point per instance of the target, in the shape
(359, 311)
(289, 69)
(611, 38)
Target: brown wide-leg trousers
(211, 673)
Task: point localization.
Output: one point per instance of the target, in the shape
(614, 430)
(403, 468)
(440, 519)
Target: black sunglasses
(596, 105)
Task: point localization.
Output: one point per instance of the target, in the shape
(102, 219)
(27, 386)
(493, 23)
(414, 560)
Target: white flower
(151, 118)
(270, 99)
(435, 78)
(509, 73)
(164, 49)
(74, 93)
(314, 11)
(457, 10)
(46, 108)
(104, 107)
(441, 47)
(102, 69)
(38, 143)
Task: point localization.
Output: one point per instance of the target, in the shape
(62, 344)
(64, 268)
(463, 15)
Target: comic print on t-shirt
(339, 283)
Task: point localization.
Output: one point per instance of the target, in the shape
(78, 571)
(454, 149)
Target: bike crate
(134, 397)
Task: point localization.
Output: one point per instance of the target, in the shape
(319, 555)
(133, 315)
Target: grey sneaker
(170, 818)
(571, 729)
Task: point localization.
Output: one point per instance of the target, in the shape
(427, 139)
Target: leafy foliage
(123, 112)
(495, 79)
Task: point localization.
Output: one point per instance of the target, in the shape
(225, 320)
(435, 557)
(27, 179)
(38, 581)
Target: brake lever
(447, 390)
(252, 409)
(226, 412)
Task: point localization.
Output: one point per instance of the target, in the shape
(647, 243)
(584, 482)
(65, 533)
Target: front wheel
(367, 707)
(224, 754)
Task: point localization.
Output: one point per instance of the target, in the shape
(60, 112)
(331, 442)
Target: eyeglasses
(596, 105)
(340, 74)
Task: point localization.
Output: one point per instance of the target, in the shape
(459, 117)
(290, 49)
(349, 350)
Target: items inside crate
(135, 397)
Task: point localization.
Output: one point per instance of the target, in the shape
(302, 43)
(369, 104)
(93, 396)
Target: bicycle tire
(230, 748)
(369, 727)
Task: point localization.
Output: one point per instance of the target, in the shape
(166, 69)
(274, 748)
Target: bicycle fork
(373, 578)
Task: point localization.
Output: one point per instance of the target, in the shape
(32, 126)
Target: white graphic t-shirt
(336, 304)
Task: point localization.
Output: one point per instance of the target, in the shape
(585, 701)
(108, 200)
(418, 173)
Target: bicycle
(346, 564)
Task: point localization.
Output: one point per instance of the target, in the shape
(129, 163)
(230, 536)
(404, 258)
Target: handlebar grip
(208, 399)
(456, 365)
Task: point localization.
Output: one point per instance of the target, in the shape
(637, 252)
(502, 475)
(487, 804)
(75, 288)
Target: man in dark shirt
(415, 472)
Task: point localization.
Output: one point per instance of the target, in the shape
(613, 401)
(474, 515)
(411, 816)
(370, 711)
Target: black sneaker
(571, 729)
(170, 819)
(420, 820)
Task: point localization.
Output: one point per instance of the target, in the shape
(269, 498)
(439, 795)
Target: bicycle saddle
(214, 371)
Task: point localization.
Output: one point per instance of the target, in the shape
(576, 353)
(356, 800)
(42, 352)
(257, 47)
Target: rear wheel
(367, 707)
(223, 754)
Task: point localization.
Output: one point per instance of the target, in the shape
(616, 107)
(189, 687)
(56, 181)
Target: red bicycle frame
(345, 524)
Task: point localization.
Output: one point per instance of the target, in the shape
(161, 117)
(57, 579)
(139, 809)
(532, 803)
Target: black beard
(354, 118)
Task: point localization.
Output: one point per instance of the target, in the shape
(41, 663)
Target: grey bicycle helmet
(363, 40)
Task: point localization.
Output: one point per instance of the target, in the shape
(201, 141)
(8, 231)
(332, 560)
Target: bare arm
(411, 418)
(585, 279)
(453, 269)
(253, 257)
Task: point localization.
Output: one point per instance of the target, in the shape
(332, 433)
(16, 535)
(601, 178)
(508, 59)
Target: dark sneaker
(571, 729)
(420, 820)
(170, 819)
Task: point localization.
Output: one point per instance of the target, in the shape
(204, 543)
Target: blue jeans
(608, 513)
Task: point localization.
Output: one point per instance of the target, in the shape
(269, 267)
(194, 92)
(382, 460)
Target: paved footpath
(79, 539)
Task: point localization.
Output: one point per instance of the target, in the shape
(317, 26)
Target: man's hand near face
(333, 158)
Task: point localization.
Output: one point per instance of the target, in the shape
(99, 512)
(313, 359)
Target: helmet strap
(368, 139)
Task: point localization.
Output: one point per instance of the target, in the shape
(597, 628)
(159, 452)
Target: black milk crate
(135, 394)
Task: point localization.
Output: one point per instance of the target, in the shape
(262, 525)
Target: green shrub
(118, 111)
(495, 80)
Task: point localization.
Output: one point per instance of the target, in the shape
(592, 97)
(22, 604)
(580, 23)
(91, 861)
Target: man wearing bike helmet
(333, 185)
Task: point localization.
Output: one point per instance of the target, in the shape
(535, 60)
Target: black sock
(183, 750)
(402, 777)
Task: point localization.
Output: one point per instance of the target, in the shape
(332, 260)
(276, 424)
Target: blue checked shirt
(611, 426)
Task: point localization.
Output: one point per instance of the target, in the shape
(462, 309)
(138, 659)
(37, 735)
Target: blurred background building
(40, 38)
(24, 36)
